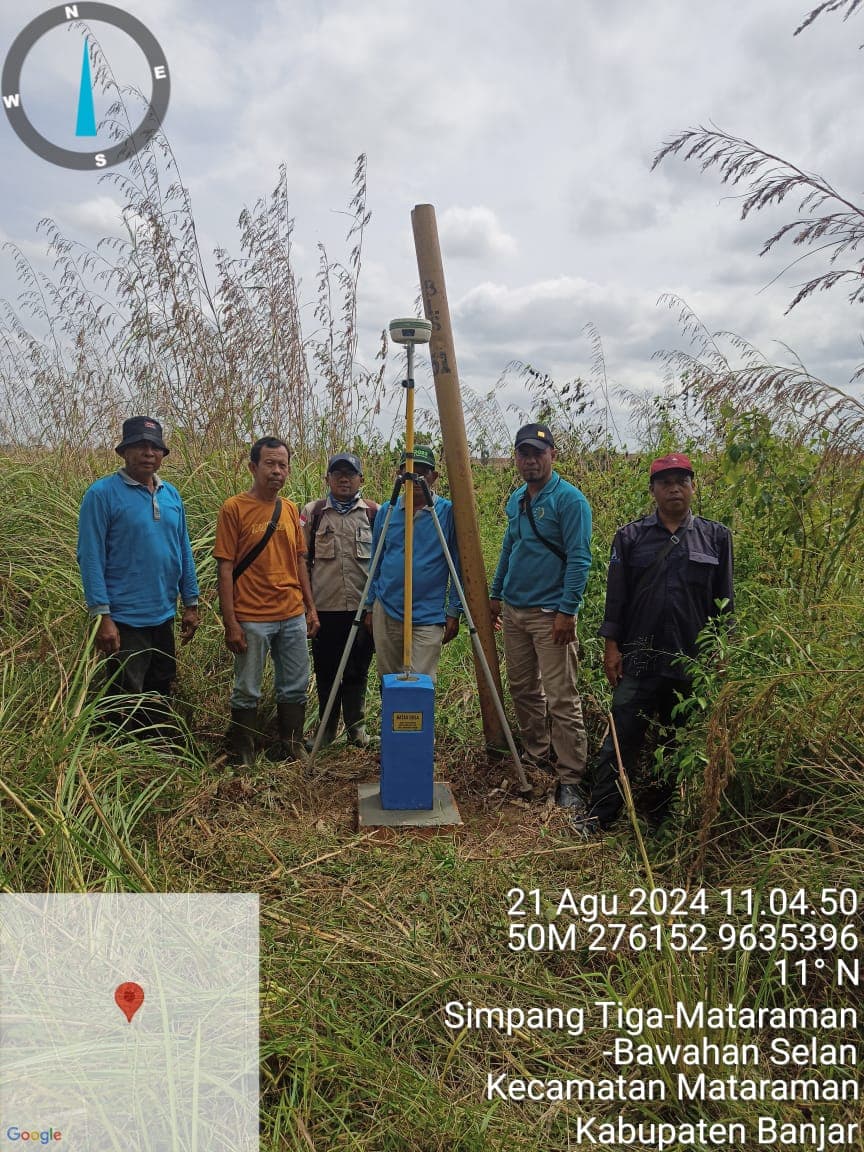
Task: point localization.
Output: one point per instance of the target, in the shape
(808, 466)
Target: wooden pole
(456, 454)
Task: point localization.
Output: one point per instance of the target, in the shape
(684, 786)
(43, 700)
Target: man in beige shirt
(338, 532)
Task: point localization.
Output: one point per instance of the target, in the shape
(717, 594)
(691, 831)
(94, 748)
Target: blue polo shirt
(430, 573)
(529, 575)
(134, 551)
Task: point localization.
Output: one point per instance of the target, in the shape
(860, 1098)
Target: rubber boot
(289, 746)
(354, 714)
(240, 736)
(329, 732)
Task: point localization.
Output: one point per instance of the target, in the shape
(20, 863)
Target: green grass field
(366, 938)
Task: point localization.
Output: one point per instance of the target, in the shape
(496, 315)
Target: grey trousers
(426, 640)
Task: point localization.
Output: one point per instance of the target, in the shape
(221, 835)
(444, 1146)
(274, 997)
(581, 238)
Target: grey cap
(345, 458)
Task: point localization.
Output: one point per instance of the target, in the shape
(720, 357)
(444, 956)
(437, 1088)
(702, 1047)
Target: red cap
(669, 463)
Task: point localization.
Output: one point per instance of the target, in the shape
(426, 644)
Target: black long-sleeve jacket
(656, 617)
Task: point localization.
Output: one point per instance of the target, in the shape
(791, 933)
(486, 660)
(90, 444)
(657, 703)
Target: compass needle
(86, 123)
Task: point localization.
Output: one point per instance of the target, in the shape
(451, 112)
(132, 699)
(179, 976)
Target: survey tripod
(411, 332)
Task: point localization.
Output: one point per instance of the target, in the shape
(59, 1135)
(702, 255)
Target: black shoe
(655, 803)
(588, 827)
(591, 824)
(569, 796)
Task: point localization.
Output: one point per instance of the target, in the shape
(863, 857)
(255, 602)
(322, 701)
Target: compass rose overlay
(120, 150)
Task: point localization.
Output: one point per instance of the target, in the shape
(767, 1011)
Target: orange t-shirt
(269, 589)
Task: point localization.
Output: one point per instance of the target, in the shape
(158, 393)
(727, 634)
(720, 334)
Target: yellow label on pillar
(407, 721)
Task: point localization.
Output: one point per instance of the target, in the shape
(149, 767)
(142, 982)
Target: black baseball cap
(346, 458)
(538, 435)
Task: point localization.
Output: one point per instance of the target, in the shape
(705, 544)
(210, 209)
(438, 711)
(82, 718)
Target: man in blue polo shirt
(537, 592)
(435, 615)
(135, 560)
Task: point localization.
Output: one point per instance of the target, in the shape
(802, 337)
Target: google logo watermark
(43, 1137)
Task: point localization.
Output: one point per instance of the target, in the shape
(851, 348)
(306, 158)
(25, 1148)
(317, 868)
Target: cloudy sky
(530, 128)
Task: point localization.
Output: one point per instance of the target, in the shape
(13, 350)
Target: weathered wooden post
(458, 458)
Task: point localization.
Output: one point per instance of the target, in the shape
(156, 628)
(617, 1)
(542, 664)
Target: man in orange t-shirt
(263, 609)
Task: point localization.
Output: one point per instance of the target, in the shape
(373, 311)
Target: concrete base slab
(370, 814)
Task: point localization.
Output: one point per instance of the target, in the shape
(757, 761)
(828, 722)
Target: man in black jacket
(669, 573)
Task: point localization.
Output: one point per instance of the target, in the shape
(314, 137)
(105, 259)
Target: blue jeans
(286, 642)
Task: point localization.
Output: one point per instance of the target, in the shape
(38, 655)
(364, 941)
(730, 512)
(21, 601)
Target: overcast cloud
(530, 128)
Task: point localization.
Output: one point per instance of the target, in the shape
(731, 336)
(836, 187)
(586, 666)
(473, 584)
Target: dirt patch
(272, 803)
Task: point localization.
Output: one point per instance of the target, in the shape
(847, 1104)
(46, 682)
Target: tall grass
(365, 941)
(216, 347)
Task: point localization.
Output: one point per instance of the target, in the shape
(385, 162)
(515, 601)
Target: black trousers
(146, 665)
(327, 649)
(635, 702)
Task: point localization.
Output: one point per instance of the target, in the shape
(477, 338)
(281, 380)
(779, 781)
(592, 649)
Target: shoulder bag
(256, 549)
(525, 504)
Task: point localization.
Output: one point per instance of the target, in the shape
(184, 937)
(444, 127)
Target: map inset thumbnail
(181, 1075)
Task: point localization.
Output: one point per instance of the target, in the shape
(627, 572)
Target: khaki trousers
(542, 677)
(426, 642)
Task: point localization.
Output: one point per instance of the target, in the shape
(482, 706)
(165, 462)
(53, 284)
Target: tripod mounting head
(418, 481)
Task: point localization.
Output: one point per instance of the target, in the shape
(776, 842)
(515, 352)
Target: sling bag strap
(659, 559)
(256, 549)
(526, 504)
(317, 512)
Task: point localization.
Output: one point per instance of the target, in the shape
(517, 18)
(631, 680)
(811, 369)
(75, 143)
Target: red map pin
(129, 997)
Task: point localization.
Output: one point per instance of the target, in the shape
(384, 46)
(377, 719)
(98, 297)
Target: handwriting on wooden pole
(440, 365)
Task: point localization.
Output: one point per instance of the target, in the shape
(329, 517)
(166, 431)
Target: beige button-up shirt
(343, 549)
